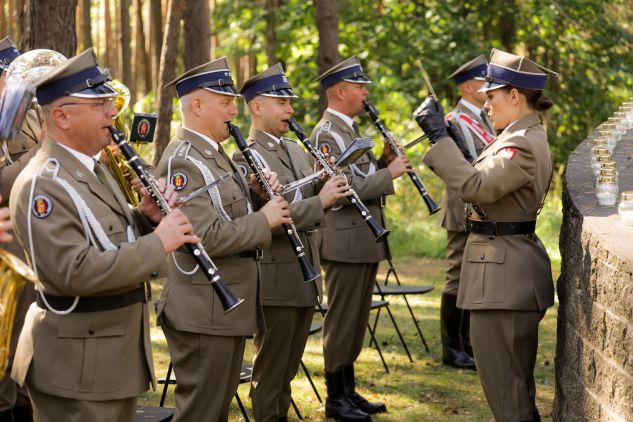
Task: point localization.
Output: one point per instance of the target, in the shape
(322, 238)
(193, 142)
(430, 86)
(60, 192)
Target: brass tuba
(116, 163)
(13, 276)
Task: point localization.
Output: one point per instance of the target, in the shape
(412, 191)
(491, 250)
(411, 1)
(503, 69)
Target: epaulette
(182, 150)
(327, 126)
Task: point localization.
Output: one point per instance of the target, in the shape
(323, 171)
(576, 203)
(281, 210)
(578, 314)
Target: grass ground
(423, 390)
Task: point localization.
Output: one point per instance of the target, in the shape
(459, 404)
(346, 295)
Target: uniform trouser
(207, 370)
(277, 358)
(349, 291)
(50, 408)
(456, 242)
(505, 344)
(11, 394)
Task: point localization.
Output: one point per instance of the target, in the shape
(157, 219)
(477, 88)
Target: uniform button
(91, 331)
(317, 224)
(110, 227)
(234, 197)
(482, 257)
(154, 274)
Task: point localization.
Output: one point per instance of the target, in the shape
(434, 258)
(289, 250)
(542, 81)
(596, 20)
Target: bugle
(380, 233)
(227, 298)
(373, 114)
(309, 274)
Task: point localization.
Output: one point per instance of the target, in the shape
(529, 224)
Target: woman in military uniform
(506, 279)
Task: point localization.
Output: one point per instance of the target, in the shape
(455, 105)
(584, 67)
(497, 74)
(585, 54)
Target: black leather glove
(430, 118)
(461, 144)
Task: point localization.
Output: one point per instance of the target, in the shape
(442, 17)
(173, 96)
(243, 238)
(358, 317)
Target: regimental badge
(325, 148)
(42, 206)
(508, 153)
(179, 180)
(243, 169)
(143, 128)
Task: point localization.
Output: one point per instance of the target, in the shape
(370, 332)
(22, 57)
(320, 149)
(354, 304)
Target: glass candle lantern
(597, 159)
(606, 191)
(625, 208)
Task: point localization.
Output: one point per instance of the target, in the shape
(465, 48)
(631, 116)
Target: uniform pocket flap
(111, 224)
(486, 253)
(86, 327)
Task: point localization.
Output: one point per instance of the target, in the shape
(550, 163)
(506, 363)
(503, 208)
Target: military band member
(349, 254)
(206, 345)
(472, 123)
(506, 279)
(15, 154)
(288, 302)
(84, 352)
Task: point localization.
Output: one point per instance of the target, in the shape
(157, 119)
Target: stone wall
(594, 354)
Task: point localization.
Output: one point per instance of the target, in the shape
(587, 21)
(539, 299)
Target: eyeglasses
(104, 103)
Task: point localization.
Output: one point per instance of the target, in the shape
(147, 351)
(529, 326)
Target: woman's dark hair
(534, 97)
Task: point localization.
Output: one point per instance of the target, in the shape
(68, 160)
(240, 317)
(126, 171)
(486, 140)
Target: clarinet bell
(380, 233)
(309, 273)
(431, 204)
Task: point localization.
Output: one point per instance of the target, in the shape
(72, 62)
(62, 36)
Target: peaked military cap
(272, 82)
(348, 70)
(8, 52)
(474, 69)
(509, 69)
(78, 77)
(214, 76)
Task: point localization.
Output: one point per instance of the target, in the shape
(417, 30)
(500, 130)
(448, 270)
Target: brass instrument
(13, 277)
(116, 163)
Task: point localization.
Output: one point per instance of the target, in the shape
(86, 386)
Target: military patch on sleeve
(179, 180)
(325, 148)
(42, 206)
(243, 169)
(508, 153)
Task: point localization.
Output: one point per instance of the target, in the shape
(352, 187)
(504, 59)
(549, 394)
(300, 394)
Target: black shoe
(283, 419)
(451, 324)
(337, 405)
(360, 402)
(457, 358)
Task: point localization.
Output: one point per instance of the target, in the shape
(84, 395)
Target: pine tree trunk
(156, 36)
(125, 58)
(51, 25)
(327, 25)
(3, 21)
(271, 37)
(109, 41)
(86, 24)
(198, 33)
(166, 74)
(143, 70)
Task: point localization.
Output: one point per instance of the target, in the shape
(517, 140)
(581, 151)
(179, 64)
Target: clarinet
(227, 298)
(373, 113)
(309, 274)
(380, 233)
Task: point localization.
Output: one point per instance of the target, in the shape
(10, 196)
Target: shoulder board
(182, 150)
(327, 126)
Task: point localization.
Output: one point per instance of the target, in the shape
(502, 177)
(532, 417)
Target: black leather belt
(498, 228)
(95, 303)
(257, 254)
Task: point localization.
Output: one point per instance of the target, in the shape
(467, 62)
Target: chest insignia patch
(508, 153)
(42, 206)
(325, 148)
(179, 180)
(243, 170)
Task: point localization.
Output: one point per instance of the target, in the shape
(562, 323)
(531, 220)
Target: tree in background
(50, 25)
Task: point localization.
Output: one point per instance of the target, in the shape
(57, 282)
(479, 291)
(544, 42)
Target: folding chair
(398, 289)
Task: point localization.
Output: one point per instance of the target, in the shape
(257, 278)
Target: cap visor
(489, 86)
(224, 90)
(99, 91)
(358, 80)
(280, 93)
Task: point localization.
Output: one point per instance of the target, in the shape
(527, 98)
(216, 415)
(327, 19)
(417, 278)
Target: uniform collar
(273, 137)
(214, 144)
(345, 118)
(471, 107)
(523, 123)
(84, 159)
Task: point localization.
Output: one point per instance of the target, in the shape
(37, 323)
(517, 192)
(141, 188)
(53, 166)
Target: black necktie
(236, 174)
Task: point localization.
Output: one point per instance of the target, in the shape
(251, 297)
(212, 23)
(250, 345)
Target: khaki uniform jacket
(346, 237)
(509, 182)
(282, 279)
(189, 303)
(92, 355)
(21, 149)
(452, 210)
